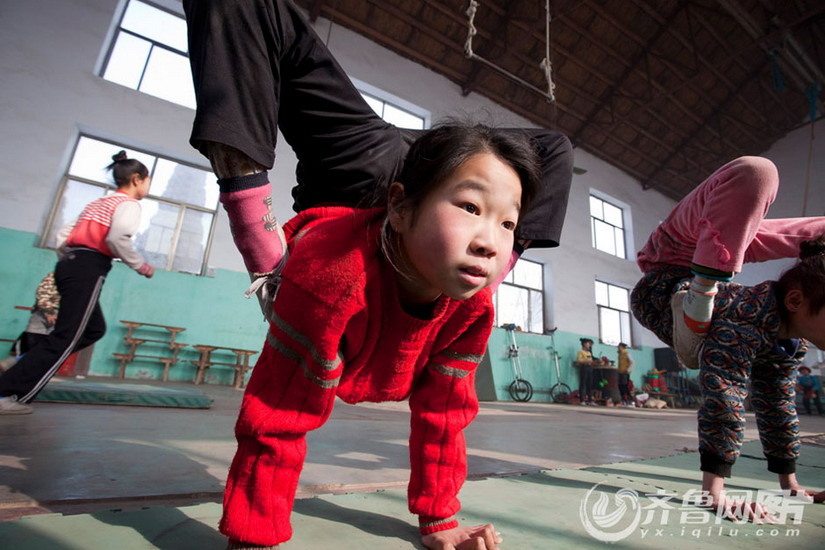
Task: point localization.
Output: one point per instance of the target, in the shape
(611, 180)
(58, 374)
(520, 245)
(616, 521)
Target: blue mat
(142, 395)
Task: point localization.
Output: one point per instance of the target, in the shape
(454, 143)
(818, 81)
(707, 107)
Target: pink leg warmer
(254, 228)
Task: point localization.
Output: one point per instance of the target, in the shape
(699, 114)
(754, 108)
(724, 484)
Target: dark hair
(123, 168)
(808, 275)
(585, 341)
(434, 156)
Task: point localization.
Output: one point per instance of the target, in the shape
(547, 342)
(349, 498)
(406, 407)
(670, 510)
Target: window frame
(509, 280)
(389, 99)
(108, 188)
(626, 338)
(624, 230)
(117, 28)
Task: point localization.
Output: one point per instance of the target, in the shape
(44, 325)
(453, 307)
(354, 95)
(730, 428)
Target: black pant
(79, 277)
(258, 66)
(624, 387)
(806, 401)
(585, 382)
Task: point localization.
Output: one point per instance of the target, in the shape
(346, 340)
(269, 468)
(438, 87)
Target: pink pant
(721, 224)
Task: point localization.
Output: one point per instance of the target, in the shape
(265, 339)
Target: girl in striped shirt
(85, 249)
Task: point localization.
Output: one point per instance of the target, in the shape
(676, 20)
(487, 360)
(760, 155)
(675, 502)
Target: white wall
(49, 92)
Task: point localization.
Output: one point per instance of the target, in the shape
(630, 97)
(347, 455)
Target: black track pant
(79, 277)
(259, 67)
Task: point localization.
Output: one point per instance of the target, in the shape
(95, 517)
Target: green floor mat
(554, 509)
(143, 395)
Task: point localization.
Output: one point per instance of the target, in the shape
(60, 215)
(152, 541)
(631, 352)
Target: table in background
(241, 364)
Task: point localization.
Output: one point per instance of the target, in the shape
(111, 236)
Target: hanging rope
(545, 65)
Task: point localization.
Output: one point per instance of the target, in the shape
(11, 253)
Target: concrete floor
(152, 477)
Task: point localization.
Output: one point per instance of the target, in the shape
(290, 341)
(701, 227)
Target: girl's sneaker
(9, 405)
(686, 343)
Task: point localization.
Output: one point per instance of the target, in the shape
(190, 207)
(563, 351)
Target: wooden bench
(241, 363)
(134, 342)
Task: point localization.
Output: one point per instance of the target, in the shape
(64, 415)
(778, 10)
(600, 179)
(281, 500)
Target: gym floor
(91, 477)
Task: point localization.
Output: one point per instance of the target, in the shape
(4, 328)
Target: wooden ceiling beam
(642, 43)
(708, 120)
(702, 60)
(644, 105)
(607, 97)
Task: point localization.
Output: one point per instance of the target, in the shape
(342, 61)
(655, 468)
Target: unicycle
(560, 392)
(519, 389)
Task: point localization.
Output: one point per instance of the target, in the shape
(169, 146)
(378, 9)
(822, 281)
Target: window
(394, 115)
(394, 110)
(149, 53)
(614, 314)
(607, 227)
(177, 217)
(520, 297)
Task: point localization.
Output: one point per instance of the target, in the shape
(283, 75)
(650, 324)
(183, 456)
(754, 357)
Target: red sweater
(339, 329)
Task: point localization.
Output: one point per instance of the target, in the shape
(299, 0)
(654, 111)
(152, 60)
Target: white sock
(698, 306)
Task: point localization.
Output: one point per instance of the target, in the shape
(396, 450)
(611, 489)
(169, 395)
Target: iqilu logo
(610, 521)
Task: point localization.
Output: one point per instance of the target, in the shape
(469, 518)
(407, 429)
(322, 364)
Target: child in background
(755, 334)
(41, 321)
(385, 304)
(85, 247)
(259, 68)
(809, 387)
(585, 363)
(625, 365)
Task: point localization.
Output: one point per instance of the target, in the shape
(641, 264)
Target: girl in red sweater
(385, 304)
(86, 247)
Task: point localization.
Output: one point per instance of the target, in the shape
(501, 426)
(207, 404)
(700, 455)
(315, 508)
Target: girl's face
(461, 236)
(142, 186)
(801, 322)
(811, 326)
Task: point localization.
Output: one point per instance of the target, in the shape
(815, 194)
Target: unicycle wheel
(560, 393)
(521, 390)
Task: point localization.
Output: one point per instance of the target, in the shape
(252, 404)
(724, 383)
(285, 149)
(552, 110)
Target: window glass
(168, 77)
(618, 297)
(605, 238)
(513, 306)
(149, 54)
(536, 322)
(596, 208)
(602, 294)
(156, 24)
(613, 215)
(192, 241)
(184, 183)
(126, 62)
(401, 118)
(74, 200)
(528, 274)
(520, 297)
(610, 326)
(176, 218)
(393, 114)
(607, 227)
(613, 303)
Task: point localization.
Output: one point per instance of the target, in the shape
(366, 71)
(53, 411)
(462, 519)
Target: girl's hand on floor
(807, 494)
(480, 537)
(743, 510)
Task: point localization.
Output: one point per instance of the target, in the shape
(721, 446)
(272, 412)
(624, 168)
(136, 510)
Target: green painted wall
(212, 309)
(214, 312)
(537, 362)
